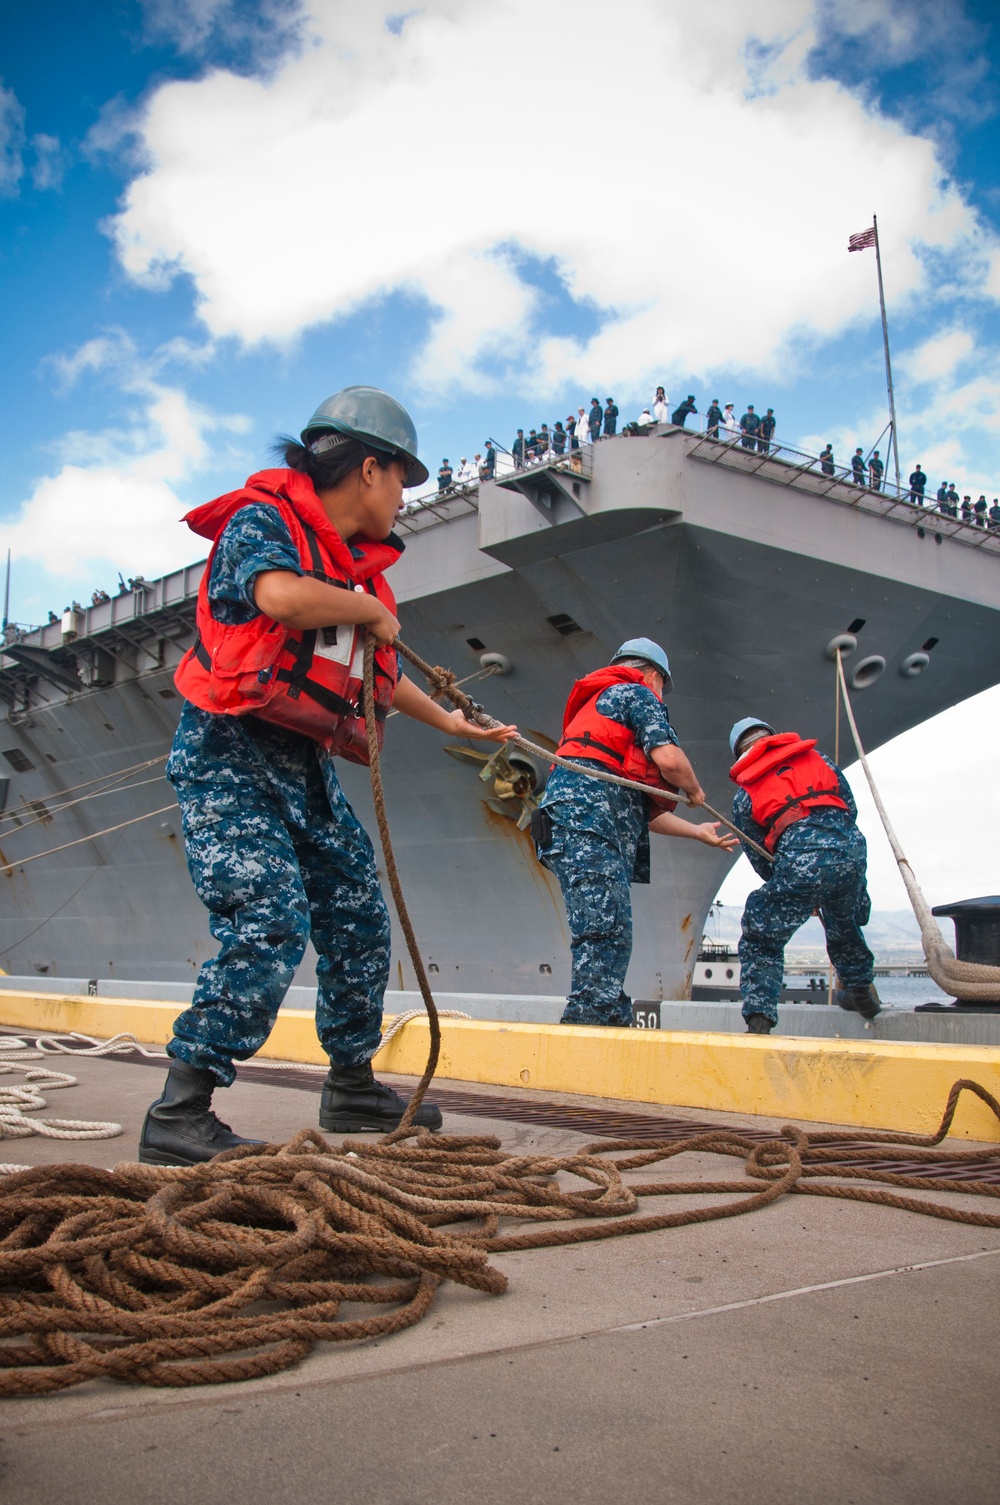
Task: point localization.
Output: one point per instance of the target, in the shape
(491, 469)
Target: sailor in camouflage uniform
(271, 690)
(594, 836)
(796, 803)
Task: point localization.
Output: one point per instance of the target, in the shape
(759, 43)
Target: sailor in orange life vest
(797, 804)
(272, 696)
(595, 836)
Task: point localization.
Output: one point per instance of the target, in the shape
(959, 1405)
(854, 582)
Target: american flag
(862, 240)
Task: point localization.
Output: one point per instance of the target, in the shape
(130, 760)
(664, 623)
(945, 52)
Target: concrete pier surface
(815, 1352)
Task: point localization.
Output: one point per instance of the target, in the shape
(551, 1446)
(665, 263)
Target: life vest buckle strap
(588, 741)
(797, 799)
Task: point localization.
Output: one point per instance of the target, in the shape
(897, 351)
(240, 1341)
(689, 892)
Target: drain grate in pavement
(601, 1123)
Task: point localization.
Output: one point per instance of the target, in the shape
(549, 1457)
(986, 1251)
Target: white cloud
(50, 161)
(115, 348)
(11, 141)
(937, 357)
(113, 504)
(114, 352)
(654, 173)
(259, 30)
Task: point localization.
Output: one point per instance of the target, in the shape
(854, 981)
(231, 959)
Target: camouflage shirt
(615, 815)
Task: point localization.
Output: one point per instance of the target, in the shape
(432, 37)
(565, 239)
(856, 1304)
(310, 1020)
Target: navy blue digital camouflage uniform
(276, 854)
(600, 844)
(820, 864)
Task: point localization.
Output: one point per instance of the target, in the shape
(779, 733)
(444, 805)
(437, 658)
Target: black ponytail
(330, 467)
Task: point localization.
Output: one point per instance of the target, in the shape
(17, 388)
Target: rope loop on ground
(17, 1102)
(236, 1268)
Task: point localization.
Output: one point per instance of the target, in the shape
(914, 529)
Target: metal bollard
(977, 937)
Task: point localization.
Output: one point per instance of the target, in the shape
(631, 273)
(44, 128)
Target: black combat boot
(180, 1127)
(354, 1103)
(759, 1024)
(863, 1001)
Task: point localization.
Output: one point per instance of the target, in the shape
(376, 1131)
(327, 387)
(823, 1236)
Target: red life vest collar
(360, 559)
(591, 685)
(768, 753)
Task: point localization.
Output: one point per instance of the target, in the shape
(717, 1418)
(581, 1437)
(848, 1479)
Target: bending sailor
(797, 804)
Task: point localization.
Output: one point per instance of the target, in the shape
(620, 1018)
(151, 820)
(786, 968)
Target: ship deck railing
(787, 466)
(461, 498)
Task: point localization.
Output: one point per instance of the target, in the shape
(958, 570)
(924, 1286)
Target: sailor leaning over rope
(595, 836)
(272, 693)
(797, 804)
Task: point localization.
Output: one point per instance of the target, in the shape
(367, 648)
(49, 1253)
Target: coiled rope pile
(237, 1268)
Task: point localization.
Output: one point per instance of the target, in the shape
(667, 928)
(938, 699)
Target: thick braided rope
(237, 1268)
(392, 873)
(445, 683)
(976, 981)
(157, 1275)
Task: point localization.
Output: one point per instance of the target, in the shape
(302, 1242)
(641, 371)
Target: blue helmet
(652, 653)
(746, 725)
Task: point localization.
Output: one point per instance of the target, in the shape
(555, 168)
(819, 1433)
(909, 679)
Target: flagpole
(6, 596)
(885, 341)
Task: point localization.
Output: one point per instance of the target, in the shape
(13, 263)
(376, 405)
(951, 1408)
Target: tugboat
(716, 978)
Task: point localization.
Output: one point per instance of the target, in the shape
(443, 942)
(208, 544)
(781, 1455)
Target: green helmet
(374, 417)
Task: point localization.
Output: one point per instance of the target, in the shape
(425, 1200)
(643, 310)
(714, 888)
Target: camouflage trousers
(277, 864)
(594, 879)
(829, 878)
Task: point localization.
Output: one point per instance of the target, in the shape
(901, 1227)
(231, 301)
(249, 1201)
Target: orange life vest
(786, 780)
(309, 681)
(588, 734)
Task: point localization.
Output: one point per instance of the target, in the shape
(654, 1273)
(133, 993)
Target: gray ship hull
(745, 577)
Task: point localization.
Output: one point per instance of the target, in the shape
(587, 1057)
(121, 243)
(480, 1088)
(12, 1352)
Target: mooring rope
(51, 811)
(392, 873)
(976, 981)
(444, 682)
(236, 1268)
(9, 867)
(15, 812)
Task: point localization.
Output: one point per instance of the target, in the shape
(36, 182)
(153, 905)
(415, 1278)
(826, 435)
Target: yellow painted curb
(874, 1085)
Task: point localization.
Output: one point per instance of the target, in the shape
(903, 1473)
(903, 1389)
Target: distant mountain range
(892, 934)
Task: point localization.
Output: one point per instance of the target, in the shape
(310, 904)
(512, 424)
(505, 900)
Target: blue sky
(213, 214)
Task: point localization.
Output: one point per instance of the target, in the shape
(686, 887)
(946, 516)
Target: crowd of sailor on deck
(753, 431)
